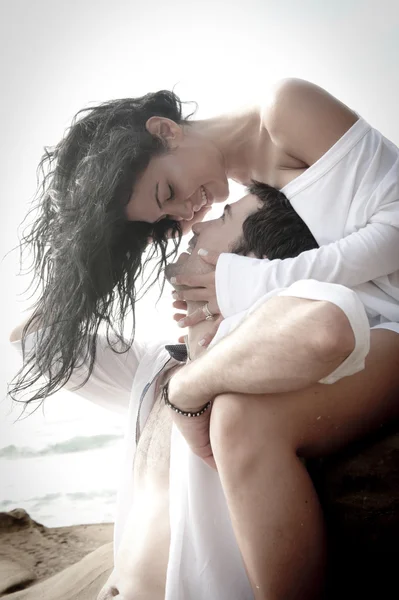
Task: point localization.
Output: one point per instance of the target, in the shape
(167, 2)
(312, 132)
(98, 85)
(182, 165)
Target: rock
(359, 490)
(17, 519)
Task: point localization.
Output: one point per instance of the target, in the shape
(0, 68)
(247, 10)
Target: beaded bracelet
(184, 413)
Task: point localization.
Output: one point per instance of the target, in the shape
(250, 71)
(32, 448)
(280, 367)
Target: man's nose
(197, 227)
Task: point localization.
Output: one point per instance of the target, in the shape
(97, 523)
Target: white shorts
(390, 326)
(356, 361)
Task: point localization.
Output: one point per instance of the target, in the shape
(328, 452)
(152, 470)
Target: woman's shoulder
(304, 119)
(291, 94)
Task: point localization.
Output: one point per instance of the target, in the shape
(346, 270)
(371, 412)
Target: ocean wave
(75, 444)
(91, 495)
(36, 503)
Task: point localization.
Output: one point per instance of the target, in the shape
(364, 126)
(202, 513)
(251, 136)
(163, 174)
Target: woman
(134, 169)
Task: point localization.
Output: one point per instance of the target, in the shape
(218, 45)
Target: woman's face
(179, 182)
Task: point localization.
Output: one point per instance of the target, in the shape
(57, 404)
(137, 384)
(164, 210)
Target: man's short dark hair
(275, 230)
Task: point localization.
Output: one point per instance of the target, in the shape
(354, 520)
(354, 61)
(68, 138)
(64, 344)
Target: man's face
(218, 235)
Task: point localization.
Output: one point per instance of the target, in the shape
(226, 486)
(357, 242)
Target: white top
(204, 559)
(349, 199)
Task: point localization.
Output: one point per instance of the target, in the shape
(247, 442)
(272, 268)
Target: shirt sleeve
(110, 383)
(362, 256)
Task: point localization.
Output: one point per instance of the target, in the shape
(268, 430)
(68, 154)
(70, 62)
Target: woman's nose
(183, 210)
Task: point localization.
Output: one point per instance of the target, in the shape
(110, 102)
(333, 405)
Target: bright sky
(58, 56)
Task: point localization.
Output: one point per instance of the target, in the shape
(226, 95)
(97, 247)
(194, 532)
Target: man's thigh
(321, 418)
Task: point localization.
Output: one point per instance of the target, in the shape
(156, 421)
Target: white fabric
(390, 326)
(349, 199)
(204, 559)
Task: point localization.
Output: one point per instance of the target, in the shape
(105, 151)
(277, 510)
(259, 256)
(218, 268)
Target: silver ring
(208, 315)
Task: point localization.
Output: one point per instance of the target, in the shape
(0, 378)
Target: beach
(58, 563)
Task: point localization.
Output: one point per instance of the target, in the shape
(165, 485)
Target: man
(174, 537)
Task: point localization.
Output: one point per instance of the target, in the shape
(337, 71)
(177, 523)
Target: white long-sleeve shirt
(349, 199)
(204, 559)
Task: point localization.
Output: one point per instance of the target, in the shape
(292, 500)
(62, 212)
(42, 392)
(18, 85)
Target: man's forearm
(285, 345)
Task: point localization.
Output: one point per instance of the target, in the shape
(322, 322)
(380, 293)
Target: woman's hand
(202, 289)
(196, 316)
(180, 305)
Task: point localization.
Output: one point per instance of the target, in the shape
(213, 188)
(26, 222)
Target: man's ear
(166, 129)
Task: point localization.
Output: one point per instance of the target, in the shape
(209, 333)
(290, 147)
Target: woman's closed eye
(171, 192)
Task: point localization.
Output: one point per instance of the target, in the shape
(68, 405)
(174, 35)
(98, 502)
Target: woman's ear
(166, 129)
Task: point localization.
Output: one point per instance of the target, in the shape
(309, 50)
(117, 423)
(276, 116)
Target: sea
(61, 464)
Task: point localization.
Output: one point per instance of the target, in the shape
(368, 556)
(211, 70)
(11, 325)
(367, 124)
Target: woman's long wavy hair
(86, 256)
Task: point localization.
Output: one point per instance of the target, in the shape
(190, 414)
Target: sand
(63, 563)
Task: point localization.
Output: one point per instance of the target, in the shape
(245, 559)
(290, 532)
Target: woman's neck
(237, 136)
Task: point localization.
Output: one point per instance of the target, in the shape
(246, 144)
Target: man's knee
(245, 426)
(226, 418)
(332, 332)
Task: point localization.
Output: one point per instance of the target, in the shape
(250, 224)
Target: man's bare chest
(153, 450)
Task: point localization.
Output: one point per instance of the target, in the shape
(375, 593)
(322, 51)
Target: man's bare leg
(256, 442)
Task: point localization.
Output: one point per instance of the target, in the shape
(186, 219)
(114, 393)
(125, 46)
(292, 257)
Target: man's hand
(195, 430)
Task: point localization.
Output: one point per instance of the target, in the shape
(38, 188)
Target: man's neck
(197, 332)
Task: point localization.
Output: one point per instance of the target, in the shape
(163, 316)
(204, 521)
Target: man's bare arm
(287, 344)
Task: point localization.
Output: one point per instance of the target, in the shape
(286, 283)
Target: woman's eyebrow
(156, 195)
